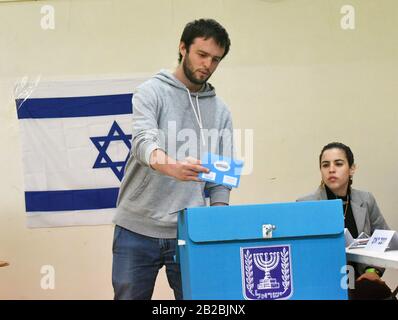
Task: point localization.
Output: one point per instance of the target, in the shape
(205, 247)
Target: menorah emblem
(267, 262)
(267, 272)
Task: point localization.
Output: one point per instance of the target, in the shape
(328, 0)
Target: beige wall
(293, 76)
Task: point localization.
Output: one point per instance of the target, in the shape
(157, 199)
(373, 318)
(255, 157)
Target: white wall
(293, 76)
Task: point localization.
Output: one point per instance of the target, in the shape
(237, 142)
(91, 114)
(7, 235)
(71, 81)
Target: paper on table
(359, 242)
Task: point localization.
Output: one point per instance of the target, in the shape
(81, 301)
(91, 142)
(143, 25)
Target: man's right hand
(186, 170)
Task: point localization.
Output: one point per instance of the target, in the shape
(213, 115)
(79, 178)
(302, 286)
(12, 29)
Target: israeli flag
(76, 138)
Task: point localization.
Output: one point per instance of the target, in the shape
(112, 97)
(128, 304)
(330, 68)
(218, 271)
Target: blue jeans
(136, 263)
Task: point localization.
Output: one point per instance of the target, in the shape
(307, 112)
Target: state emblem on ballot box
(266, 272)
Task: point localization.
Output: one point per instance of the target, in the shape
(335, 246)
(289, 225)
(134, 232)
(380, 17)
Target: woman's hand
(372, 276)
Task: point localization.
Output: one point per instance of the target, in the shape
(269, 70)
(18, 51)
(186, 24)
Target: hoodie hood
(168, 77)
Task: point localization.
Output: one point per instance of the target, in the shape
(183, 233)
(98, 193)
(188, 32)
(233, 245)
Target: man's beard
(187, 67)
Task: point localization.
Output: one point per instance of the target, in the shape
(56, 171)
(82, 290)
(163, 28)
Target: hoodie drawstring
(197, 115)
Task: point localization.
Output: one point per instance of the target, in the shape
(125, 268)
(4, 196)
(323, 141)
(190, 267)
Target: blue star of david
(102, 144)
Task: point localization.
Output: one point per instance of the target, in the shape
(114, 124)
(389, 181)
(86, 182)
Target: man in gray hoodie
(176, 117)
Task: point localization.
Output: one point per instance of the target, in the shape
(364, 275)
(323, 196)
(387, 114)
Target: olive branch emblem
(285, 269)
(249, 271)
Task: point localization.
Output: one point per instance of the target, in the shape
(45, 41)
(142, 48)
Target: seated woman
(361, 213)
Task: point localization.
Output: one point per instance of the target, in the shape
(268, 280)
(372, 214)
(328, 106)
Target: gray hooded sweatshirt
(167, 116)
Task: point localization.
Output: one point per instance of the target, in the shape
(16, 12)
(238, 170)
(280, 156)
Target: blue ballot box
(263, 252)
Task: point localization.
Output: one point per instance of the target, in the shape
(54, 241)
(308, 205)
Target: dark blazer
(366, 213)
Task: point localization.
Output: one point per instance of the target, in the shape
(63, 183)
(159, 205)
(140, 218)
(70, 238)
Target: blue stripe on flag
(65, 200)
(39, 108)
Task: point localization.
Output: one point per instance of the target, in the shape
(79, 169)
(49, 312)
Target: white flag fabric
(76, 138)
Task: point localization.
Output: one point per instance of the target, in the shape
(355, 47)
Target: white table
(388, 259)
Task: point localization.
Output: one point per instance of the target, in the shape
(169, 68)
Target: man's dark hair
(205, 28)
